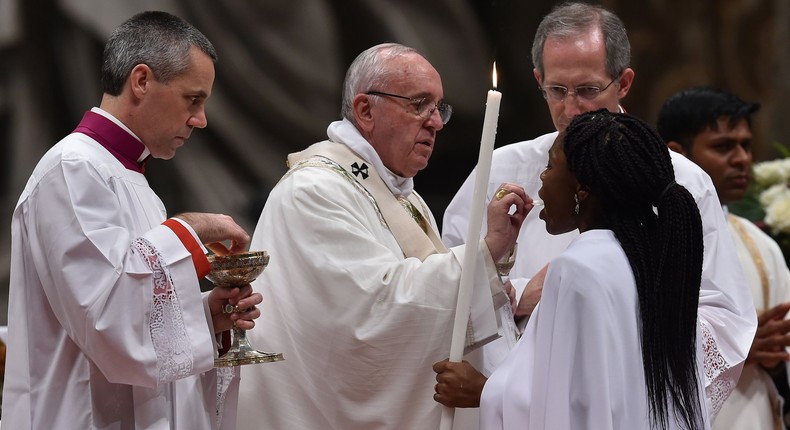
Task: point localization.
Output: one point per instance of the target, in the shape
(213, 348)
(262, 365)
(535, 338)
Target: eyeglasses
(558, 93)
(424, 110)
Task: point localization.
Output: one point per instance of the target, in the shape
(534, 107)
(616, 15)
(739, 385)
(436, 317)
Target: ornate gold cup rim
(237, 269)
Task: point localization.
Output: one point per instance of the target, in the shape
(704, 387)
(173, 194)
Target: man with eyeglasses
(581, 55)
(361, 290)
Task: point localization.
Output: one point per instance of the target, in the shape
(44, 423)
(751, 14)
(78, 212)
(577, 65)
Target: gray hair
(368, 71)
(159, 40)
(572, 19)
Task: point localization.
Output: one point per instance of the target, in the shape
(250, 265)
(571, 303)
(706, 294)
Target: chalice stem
(240, 342)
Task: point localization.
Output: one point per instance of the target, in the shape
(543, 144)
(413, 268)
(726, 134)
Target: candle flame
(493, 75)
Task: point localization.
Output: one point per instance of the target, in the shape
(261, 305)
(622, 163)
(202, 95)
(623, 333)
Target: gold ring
(501, 193)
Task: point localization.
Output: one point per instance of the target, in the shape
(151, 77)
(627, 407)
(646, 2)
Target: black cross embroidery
(356, 169)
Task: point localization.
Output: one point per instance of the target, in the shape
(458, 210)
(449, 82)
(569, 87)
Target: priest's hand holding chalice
(237, 271)
(232, 301)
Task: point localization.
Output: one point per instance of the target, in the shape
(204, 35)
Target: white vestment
(358, 323)
(726, 312)
(755, 403)
(579, 363)
(107, 325)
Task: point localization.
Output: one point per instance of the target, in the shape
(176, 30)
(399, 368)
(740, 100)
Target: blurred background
(282, 64)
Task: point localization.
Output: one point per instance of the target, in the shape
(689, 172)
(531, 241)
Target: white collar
(346, 133)
(117, 122)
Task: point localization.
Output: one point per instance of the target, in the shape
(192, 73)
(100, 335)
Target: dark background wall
(282, 64)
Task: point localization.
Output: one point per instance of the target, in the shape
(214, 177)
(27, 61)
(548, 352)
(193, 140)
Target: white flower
(774, 193)
(772, 172)
(777, 212)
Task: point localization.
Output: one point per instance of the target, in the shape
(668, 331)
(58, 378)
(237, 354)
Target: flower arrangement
(772, 177)
(767, 203)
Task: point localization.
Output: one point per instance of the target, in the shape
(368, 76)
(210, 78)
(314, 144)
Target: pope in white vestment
(107, 325)
(578, 364)
(755, 402)
(359, 321)
(726, 314)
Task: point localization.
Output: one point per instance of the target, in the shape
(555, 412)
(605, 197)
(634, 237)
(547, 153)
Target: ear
(674, 146)
(582, 192)
(626, 79)
(537, 76)
(362, 110)
(140, 80)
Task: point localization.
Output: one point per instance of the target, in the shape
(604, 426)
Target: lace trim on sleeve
(224, 378)
(720, 376)
(166, 324)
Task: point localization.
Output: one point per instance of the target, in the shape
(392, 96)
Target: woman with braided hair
(613, 343)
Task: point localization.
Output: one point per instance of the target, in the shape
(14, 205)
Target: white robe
(751, 405)
(726, 312)
(579, 363)
(107, 325)
(358, 324)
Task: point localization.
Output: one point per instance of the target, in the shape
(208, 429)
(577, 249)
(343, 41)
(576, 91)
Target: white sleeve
(726, 310)
(132, 304)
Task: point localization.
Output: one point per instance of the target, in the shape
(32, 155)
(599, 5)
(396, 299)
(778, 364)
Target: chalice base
(241, 353)
(238, 358)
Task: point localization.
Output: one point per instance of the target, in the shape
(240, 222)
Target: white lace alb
(166, 324)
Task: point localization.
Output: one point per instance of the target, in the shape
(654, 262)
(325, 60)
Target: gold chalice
(238, 270)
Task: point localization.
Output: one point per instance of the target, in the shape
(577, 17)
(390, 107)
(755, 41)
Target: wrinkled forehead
(412, 72)
(581, 57)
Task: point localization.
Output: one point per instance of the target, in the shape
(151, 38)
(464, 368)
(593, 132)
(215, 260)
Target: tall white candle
(482, 173)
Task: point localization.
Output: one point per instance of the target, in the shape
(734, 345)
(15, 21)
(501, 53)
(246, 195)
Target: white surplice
(726, 312)
(107, 325)
(359, 324)
(579, 363)
(755, 402)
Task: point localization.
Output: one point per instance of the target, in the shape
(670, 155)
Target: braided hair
(626, 164)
